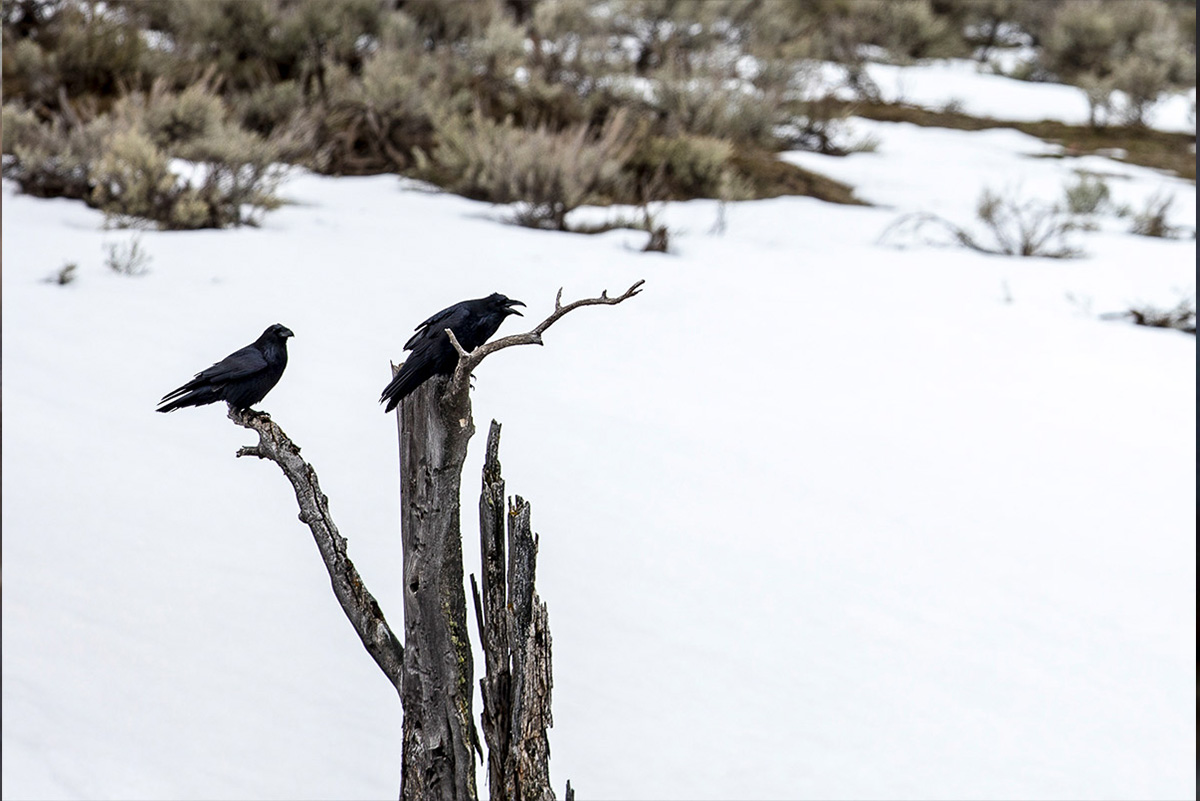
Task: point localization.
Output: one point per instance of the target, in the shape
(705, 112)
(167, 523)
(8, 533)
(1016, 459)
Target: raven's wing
(434, 325)
(240, 364)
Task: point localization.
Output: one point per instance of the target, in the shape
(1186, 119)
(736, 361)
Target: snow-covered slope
(819, 518)
(974, 89)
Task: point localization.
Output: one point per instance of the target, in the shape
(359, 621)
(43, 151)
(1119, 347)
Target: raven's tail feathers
(398, 388)
(188, 397)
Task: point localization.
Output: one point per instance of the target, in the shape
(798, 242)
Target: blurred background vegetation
(182, 114)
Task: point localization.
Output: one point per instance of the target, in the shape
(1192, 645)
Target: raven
(472, 322)
(242, 378)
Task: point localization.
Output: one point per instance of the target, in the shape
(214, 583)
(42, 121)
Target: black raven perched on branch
(472, 322)
(242, 378)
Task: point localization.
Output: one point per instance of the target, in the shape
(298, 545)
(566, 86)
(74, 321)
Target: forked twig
(467, 362)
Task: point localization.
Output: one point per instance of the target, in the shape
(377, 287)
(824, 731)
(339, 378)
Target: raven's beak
(287, 332)
(510, 303)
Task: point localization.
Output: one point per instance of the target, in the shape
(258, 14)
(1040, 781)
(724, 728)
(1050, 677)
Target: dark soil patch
(1146, 147)
(771, 177)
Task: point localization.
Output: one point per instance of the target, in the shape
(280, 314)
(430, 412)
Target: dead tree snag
(515, 631)
(432, 671)
(439, 734)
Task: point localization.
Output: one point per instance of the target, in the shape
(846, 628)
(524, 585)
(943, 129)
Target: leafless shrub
(1025, 227)
(1011, 226)
(659, 241)
(721, 223)
(64, 275)
(954, 105)
(128, 257)
(1152, 219)
(660, 235)
(862, 143)
(822, 126)
(1181, 317)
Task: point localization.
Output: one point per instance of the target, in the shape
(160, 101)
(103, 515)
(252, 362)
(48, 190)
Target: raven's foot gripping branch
(360, 606)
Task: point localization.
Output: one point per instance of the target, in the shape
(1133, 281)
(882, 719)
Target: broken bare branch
(360, 606)
(467, 362)
(454, 341)
(514, 629)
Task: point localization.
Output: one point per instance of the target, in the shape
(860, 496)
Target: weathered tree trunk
(515, 631)
(439, 732)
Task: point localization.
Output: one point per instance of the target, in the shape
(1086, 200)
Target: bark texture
(439, 733)
(496, 716)
(515, 631)
(360, 606)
